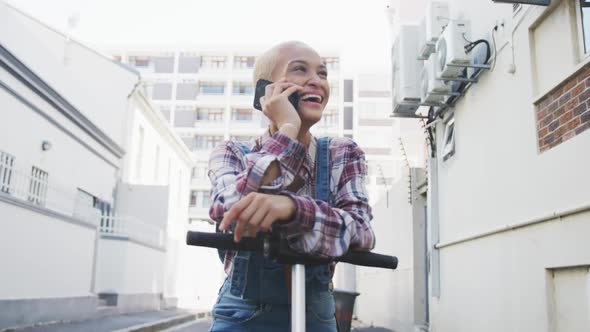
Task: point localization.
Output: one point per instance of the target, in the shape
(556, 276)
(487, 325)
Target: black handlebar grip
(369, 259)
(223, 241)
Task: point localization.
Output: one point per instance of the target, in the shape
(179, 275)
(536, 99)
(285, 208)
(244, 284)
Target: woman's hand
(276, 105)
(257, 211)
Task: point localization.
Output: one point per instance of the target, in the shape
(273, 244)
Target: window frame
(583, 53)
(448, 146)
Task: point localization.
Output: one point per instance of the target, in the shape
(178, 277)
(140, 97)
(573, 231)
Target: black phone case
(260, 90)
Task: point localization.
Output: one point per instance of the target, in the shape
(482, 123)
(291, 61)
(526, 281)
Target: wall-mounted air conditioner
(406, 71)
(433, 24)
(450, 49)
(433, 90)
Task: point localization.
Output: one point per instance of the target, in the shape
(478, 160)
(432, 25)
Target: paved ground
(105, 324)
(111, 323)
(203, 326)
(196, 326)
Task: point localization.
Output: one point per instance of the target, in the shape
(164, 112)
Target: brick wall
(565, 111)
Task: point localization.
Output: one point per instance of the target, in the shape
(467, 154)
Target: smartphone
(260, 90)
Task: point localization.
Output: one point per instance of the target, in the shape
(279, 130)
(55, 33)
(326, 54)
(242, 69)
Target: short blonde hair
(267, 61)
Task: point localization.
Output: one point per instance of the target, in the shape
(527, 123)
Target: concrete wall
(498, 177)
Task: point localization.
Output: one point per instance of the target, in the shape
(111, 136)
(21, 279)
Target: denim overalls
(255, 297)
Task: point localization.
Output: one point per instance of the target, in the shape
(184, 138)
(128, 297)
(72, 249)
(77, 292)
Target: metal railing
(132, 228)
(35, 188)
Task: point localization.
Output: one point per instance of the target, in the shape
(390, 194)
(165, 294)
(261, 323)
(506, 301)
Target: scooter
(275, 247)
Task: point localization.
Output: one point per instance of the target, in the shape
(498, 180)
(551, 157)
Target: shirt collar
(308, 162)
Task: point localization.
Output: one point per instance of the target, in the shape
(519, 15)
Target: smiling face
(300, 64)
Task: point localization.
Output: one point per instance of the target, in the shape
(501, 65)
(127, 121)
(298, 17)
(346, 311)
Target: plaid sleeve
(234, 175)
(330, 231)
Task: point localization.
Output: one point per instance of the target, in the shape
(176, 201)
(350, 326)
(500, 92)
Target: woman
(273, 186)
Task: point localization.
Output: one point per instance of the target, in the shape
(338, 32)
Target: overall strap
(322, 188)
(245, 150)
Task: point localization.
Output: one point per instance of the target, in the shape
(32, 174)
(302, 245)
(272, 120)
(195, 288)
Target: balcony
(35, 191)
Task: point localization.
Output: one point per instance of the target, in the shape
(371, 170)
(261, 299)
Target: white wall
(126, 267)
(159, 173)
(92, 83)
(498, 177)
(70, 164)
(36, 260)
(386, 297)
(200, 272)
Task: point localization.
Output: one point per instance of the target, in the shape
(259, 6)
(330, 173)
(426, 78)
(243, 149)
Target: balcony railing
(132, 228)
(35, 189)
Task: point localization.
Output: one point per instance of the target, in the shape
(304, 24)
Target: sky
(359, 28)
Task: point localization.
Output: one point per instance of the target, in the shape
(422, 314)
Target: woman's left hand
(257, 211)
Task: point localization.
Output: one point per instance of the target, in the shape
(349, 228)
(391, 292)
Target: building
(76, 172)
(507, 204)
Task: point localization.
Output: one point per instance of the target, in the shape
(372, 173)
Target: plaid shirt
(316, 227)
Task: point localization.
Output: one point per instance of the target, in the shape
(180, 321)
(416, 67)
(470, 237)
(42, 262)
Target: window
(585, 24)
(193, 198)
(186, 91)
(207, 142)
(199, 199)
(241, 114)
(140, 61)
(242, 89)
(165, 110)
(330, 118)
(6, 168)
(212, 88)
(332, 63)
(38, 186)
(241, 138)
(210, 114)
(244, 62)
(200, 170)
(163, 64)
(162, 91)
(348, 91)
(185, 116)
(348, 117)
(214, 62)
(189, 140)
(188, 64)
(449, 140)
(334, 91)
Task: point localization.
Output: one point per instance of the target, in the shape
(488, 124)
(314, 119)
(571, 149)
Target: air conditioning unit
(406, 70)
(433, 24)
(450, 49)
(433, 90)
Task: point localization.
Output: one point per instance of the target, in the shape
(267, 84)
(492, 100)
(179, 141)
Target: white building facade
(507, 199)
(94, 183)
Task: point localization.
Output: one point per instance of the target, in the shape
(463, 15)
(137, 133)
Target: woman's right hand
(276, 105)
